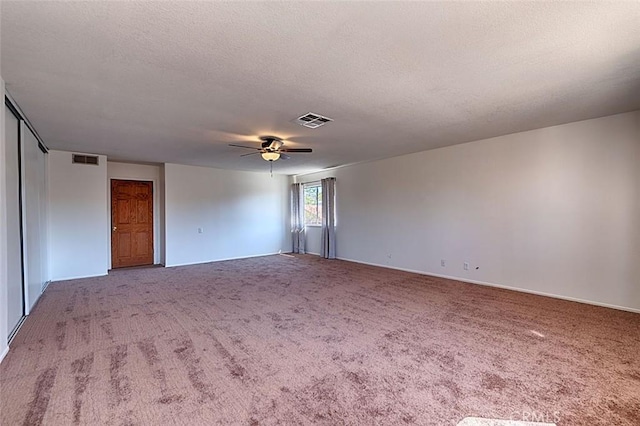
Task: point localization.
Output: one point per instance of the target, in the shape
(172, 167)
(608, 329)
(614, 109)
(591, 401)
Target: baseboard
(315, 254)
(4, 353)
(15, 330)
(79, 277)
(477, 421)
(505, 287)
(220, 260)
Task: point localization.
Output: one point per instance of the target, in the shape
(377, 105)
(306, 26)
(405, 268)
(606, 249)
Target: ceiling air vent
(312, 120)
(85, 159)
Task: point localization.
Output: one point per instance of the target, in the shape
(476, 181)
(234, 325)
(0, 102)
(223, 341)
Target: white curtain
(329, 218)
(297, 218)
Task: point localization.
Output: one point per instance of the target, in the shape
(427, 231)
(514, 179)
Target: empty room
(333, 213)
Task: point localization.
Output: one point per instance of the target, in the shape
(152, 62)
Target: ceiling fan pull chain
(271, 168)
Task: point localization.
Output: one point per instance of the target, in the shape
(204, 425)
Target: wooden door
(131, 223)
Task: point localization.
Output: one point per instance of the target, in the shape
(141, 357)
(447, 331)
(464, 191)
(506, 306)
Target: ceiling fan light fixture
(270, 156)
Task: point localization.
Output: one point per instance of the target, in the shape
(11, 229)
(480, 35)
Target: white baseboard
(506, 287)
(4, 353)
(219, 260)
(78, 277)
(477, 421)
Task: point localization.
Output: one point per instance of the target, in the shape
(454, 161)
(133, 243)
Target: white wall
(162, 224)
(4, 308)
(78, 217)
(554, 211)
(241, 214)
(128, 171)
(313, 242)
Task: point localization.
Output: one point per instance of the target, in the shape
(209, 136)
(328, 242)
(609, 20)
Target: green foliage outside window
(313, 205)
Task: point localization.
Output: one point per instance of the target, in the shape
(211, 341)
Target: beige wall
(553, 211)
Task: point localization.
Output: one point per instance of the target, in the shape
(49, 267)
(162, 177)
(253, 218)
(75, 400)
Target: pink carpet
(301, 340)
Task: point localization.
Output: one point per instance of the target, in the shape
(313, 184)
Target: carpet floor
(302, 340)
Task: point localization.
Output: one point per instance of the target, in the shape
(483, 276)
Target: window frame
(318, 185)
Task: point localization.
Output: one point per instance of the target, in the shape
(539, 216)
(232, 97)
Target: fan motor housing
(271, 142)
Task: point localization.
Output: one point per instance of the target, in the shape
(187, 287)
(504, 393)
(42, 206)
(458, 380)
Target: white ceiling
(178, 81)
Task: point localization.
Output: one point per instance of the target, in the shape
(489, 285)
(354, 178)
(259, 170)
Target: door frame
(155, 221)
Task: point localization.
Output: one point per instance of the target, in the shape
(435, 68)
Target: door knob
(115, 228)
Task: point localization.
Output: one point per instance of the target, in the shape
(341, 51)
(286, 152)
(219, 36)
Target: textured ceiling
(178, 81)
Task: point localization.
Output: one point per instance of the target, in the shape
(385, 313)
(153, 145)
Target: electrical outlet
(443, 263)
(200, 231)
(466, 266)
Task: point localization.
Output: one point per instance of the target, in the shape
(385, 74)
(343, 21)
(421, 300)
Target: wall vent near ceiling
(312, 120)
(85, 159)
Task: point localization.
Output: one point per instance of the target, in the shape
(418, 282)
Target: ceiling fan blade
(251, 153)
(248, 147)
(284, 156)
(296, 150)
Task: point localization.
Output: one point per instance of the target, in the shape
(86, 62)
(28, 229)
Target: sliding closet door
(43, 192)
(14, 246)
(34, 214)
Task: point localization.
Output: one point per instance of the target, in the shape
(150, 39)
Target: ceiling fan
(272, 149)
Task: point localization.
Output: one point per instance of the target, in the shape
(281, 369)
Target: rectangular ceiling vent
(85, 159)
(312, 120)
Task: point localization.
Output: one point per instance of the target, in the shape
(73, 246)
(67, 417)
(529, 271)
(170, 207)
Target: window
(313, 205)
